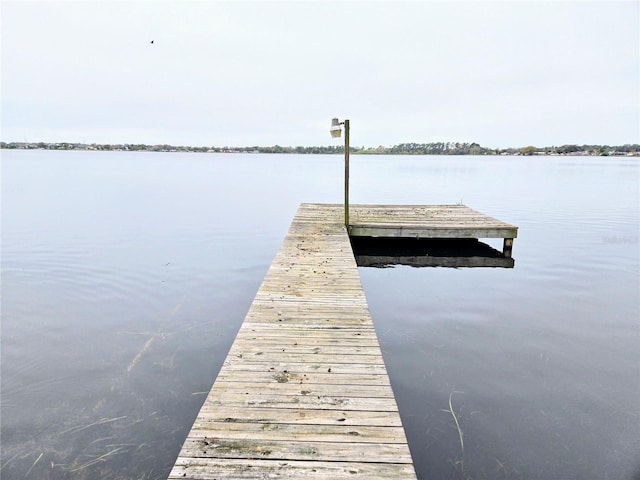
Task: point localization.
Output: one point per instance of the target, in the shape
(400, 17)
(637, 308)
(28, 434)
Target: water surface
(125, 277)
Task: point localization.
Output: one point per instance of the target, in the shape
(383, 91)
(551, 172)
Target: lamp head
(335, 129)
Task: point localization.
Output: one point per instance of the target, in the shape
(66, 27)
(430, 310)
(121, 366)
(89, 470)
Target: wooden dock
(304, 392)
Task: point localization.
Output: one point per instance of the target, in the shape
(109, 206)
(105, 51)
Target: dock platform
(304, 392)
(428, 221)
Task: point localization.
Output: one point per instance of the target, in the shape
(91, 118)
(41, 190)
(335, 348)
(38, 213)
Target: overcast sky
(264, 73)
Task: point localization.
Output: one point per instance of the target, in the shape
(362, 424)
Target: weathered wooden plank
(217, 469)
(275, 334)
(272, 376)
(277, 400)
(271, 309)
(248, 347)
(281, 357)
(296, 389)
(298, 320)
(316, 329)
(445, 231)
(215, 447)
(332, 368)
(301, 433)
(270, 415)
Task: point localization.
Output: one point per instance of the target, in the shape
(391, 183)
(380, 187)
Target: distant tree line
(129, 147)
(434, 148)
(451, 148)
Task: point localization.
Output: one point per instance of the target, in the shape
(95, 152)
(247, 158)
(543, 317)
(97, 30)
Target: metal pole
(346, 173)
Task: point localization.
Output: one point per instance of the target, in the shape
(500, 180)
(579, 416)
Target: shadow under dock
(427, 252)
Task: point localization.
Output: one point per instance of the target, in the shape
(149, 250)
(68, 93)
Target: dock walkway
(304, 391)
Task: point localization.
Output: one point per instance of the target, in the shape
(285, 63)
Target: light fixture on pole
(336, 131)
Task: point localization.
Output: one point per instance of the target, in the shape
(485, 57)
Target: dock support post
(507, 247)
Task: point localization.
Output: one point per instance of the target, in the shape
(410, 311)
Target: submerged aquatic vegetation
(460, 432)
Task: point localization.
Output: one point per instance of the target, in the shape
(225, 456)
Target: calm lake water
(125, 277)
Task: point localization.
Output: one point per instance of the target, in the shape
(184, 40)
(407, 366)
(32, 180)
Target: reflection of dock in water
(304, 391)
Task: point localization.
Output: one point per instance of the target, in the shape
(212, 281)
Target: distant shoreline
(435, 148)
